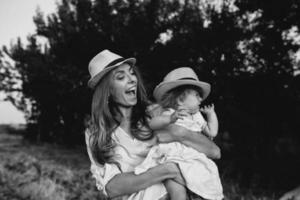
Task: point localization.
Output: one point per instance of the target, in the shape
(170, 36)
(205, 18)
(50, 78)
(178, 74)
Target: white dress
(200, 173)
(129, 153)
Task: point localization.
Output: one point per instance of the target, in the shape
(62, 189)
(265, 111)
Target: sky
(10, 115)
(16, 17)
(16, 20)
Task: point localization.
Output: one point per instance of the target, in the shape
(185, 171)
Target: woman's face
(124, 86)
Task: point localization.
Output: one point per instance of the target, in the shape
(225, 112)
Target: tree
(243, 48)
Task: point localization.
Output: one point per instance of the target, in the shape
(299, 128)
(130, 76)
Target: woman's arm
(175, 133)
(118, 185)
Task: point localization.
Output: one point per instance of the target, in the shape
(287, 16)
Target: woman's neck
(126, 117)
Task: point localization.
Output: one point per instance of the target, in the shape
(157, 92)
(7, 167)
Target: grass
(43, 172)
(52, 172)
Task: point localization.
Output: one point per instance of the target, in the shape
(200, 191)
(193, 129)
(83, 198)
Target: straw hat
(178, 77)
(104, 62)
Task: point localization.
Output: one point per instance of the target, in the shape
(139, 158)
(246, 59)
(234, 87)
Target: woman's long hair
(105, 118)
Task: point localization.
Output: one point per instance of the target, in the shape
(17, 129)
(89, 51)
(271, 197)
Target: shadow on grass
(42, 171)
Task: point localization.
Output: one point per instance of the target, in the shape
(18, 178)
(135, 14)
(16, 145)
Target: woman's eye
(119, 77)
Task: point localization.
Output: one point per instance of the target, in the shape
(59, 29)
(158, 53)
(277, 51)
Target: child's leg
(175, 190)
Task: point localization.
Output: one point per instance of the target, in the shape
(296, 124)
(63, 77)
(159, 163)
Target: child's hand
(207, 110)
(180, 113)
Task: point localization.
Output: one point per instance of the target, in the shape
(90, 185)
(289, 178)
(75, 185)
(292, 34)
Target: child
(179, 96)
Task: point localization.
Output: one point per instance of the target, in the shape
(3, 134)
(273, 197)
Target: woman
(119, 139)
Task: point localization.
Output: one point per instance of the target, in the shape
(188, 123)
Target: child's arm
(212, 127)
(163, 120)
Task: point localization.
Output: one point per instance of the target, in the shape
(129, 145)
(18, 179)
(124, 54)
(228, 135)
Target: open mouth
(131, 91)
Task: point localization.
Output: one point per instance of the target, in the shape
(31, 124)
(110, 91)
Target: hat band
(189, 78)
(114, 62)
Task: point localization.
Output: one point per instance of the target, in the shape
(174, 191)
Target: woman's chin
(128, 103)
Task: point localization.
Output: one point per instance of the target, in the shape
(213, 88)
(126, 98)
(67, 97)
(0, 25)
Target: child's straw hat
(179, 77)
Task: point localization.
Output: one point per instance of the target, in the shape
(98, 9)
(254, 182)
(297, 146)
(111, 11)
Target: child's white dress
(200, 173)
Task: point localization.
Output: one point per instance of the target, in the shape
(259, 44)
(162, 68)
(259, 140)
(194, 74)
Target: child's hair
(170, 99)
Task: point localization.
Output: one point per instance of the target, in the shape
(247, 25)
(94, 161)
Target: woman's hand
(180, 113)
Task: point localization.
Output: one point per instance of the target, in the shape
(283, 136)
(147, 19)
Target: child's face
(191, 101)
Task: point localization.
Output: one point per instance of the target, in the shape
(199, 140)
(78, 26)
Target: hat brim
(164, 87)
(94, 80)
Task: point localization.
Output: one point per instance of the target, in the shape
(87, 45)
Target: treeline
(245, 49)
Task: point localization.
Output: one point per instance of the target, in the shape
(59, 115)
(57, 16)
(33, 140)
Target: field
(52, 172)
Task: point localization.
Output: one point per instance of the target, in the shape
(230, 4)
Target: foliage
(245, 49)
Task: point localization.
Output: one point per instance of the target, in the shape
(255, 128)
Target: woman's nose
(132, 78)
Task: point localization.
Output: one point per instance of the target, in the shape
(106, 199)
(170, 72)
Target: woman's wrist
(166, 170)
